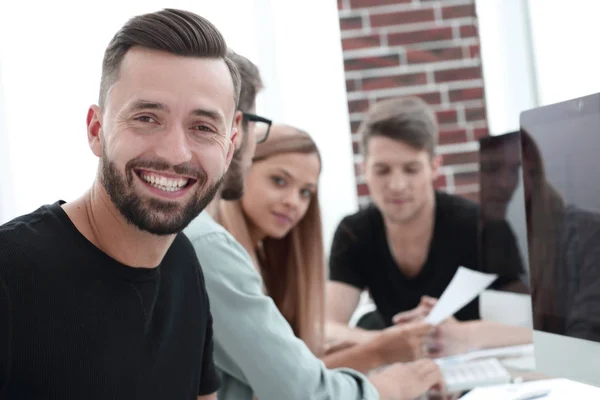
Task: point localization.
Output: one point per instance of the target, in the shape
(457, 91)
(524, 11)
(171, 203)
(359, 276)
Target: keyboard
(460, 377)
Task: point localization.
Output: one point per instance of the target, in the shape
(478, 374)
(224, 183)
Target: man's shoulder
(362, 223)
(27, 234)
(455, 209)
(217, 250)
(204, 226)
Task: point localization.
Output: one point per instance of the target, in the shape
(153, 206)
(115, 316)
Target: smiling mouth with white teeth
(163, 183)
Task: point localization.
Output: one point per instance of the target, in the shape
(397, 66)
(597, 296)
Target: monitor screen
(560, 157)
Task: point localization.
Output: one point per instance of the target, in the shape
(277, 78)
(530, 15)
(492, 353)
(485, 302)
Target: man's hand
(403, 343)
(408, 381)
(416, 314)
(451, 337)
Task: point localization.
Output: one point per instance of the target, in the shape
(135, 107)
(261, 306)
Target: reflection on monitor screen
(503, 235)
(560, 147)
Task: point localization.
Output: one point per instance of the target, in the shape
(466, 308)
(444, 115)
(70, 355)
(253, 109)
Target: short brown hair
(408, 119)
(175, 31)
(251, 80)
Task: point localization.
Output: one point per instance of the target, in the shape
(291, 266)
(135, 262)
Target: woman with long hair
(278, 221)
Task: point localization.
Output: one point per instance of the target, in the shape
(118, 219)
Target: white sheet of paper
(557, 389)
(464, 287)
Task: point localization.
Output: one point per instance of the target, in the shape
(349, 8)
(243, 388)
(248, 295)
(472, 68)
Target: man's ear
(231, 149)
(94, 130)
(436, 165)
(237, 124)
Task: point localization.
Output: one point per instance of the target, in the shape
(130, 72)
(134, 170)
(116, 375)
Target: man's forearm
(485, 334)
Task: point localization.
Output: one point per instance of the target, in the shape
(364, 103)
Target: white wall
(52, 73)
(564, 37)
(306, 88)
(508, 69)
(6, 190)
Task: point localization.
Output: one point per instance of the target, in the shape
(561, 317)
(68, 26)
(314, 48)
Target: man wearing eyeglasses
(233, 185)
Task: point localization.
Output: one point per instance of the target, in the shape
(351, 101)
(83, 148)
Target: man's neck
(96, 217)
(420, 227)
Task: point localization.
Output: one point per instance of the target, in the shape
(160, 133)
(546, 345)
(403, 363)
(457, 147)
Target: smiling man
(97, 294)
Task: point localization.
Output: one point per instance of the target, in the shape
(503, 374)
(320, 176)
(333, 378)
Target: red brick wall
(428, 48)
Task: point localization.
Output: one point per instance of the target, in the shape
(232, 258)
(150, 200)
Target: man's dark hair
(233, 186)
(175, 31)
(251, 81)
(497, 141)
(408, 119)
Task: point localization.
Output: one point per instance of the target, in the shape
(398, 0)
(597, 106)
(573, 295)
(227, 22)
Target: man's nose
(175, 146)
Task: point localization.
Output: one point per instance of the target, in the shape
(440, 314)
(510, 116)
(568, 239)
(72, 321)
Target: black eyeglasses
(258, 120)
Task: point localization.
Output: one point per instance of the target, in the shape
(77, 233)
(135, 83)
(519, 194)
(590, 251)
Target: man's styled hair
(408, 119)
(251, 82)
(177, 32)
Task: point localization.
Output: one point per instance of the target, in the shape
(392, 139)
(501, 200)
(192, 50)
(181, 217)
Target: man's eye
(145, 118)
(204, 128)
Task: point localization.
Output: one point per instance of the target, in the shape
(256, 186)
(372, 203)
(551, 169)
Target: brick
(447, 117)
(468, 31)
(400, 18)
(358, 169)
(356, 64)
(415, 56)
(354, 126)
(475, 114)
(474, 51)
(361, 42)
(347, 23)
(394, 81)
(421, 36)
(374, 3)
(358, 106)
(458, 74)
(458, 11)
(461, 158)
(340, 4)
(466, 178)
(362, 189)
(440, 181)
(480, 133)
(351, 85)
(429, 97)
(355, 147)
(466, 94)
(451, 136)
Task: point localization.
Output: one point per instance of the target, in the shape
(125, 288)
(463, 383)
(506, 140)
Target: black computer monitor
(560, 147)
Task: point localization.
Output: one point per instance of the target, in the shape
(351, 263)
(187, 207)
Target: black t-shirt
(76, 324)
(360, 257)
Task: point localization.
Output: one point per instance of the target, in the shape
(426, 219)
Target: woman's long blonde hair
(293, 267)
